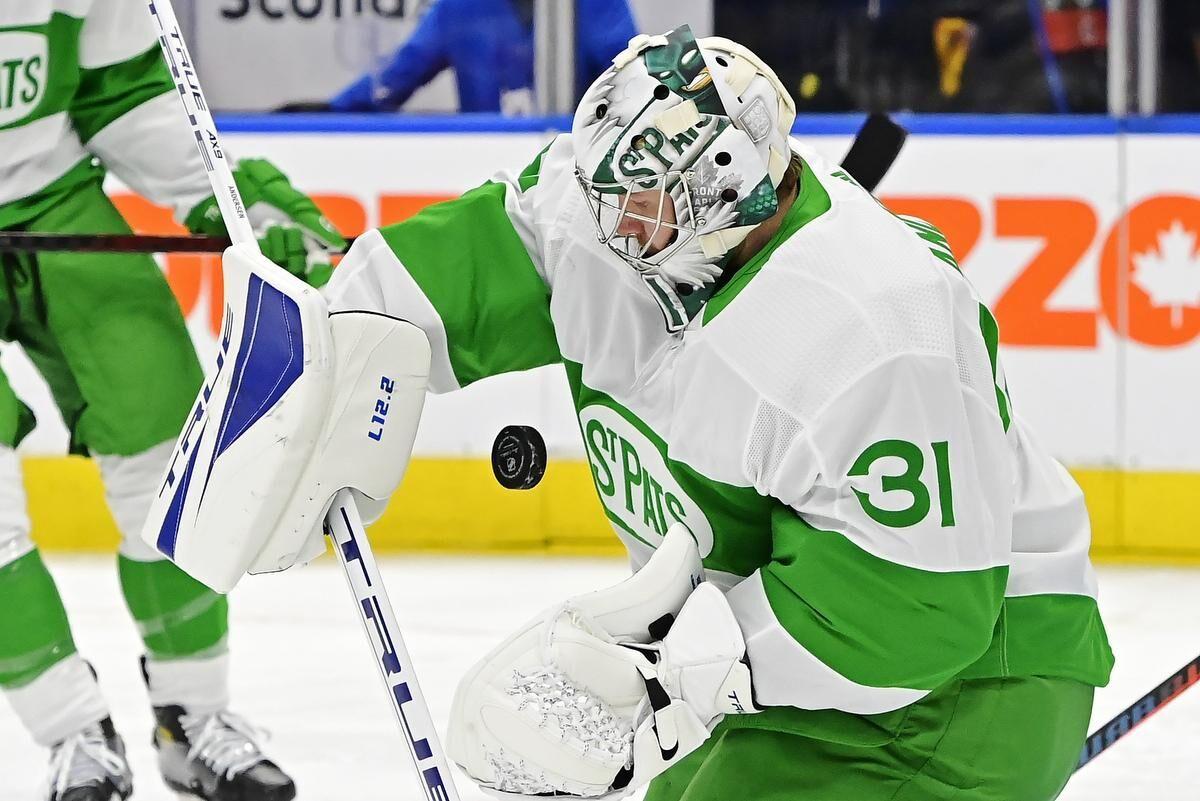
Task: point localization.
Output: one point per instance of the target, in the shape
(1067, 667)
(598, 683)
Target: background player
(489, 45)
(90, 93)
(807, 385)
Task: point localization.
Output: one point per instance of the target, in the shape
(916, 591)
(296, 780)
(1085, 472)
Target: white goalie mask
(679, 148)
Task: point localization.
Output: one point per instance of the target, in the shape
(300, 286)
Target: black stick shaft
(23, 241)
(874, 150)
(27, 242)
(1134, 715)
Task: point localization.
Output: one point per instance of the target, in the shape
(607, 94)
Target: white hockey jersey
(81, 81)
(834, 428)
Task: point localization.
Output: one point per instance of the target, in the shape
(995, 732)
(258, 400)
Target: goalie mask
(679, 147)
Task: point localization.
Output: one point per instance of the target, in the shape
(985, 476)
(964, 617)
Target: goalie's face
(650, 219)
(643, 222)
(646, 221)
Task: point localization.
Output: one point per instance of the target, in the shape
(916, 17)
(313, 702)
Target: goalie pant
(835, 429)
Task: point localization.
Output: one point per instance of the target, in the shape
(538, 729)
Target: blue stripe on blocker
(168, 535)
(269, 361)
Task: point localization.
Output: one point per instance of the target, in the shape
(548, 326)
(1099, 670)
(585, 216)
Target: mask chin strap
(716, 245)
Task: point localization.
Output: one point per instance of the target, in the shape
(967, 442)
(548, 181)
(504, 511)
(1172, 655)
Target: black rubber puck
(519, 457)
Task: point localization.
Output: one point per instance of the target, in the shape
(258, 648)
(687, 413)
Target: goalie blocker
(302, 404)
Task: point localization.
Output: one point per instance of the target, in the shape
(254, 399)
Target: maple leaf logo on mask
(1170, 275)
(707, 187)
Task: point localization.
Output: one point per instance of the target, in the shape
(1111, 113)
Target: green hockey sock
(177, 616)
(34, 632)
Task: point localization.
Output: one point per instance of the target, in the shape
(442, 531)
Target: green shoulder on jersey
(471, 265)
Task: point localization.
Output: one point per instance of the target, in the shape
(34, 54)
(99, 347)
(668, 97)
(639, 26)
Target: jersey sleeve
(891, 542)
(470, 272)
(126, 112)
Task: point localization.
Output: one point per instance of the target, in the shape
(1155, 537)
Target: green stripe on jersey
(472, 266)
(940, 248)
(1048, 635)
(637, 497)
(939, 245)
(20, 212)
(529, 176)
(991, 339)
(811, 202)
(39, 69)
(106, 93)
(873, 621)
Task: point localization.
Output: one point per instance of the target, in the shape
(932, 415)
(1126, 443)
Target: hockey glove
(600, 694)
(291, 229)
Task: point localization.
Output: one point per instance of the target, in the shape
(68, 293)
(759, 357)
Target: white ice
(302, 669)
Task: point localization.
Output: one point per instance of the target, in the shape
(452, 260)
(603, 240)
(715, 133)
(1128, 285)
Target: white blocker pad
(284, 422)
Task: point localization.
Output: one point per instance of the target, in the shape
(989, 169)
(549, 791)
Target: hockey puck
(519, 457)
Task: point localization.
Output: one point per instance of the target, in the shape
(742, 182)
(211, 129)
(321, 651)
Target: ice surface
(301, 668)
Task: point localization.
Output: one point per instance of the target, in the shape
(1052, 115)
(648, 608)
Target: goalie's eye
(689, 56)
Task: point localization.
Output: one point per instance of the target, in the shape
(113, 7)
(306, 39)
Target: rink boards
(1081, 237)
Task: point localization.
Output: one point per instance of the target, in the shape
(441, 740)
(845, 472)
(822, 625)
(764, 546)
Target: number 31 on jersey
(908, 481)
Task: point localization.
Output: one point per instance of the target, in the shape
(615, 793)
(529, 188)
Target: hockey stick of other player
(1135, 714)
(872, 153)
(874, 150)
(31, 242)
(342, 523)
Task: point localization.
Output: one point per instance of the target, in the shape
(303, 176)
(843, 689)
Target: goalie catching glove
(290, 228)
(600, 694)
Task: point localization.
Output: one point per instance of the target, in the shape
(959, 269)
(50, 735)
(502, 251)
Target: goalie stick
(342, 523)
(1137, 712)
(871, 155)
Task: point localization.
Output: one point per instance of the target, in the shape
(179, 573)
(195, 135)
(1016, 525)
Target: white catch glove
(596, 696)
